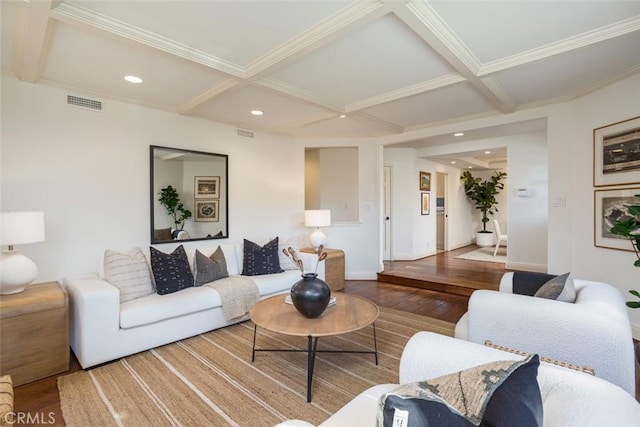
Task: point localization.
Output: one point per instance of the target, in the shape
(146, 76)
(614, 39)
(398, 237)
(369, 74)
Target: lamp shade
(21, 227)
(317, 218)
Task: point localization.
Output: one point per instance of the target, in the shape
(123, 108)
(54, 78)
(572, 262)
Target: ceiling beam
(32, 39)
(422, 19)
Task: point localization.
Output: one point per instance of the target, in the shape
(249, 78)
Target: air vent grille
(84, 102)
(244, 133)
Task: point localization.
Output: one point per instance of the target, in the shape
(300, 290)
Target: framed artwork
(609, 206)
(207, 187)
(425, 181)
(425, 201)
(616, 153)
(206, 210)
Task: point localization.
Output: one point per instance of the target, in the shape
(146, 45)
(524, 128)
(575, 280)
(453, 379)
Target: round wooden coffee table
(350, 313)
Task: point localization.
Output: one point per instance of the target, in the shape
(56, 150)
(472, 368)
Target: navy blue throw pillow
(501, 393)
(171, 272)
(260, 259)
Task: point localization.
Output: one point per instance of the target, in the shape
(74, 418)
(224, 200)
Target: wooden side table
(333, 267)
(34, 333)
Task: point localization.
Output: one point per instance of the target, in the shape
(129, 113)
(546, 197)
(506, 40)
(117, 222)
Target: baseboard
(523, 266)
(460, 245)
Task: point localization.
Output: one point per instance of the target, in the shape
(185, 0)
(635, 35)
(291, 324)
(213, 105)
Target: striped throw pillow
(129, 273)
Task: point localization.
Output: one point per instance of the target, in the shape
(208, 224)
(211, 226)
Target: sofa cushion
(208, 269)
(129, 273)
(496, 393)
(155, 308)
(560, 288)
(258, 259)
(171, 272)
(269, 284)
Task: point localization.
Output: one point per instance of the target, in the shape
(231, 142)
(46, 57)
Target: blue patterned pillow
(500, 393)
(171, 272)
(260, 259)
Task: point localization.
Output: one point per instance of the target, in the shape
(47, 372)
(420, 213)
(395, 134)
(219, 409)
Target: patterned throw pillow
(560, 288)
(497, 393)
(208, 269)
(171, 271)
(129, 273)
(260, 259)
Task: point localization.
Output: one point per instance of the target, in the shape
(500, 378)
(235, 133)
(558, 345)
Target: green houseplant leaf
(170, 200)
(628, 227)
(483, 193)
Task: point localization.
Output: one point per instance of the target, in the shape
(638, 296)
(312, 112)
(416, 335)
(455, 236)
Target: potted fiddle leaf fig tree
(483, 194)
(170, 200)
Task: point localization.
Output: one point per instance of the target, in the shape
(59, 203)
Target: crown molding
(74, 14)
(298, 94)
(356, 14)
(32, 32)
(377, 122)
(192, 104)
(406, 92)
(608, 32)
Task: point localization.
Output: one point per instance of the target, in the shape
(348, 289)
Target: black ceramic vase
(310, 295)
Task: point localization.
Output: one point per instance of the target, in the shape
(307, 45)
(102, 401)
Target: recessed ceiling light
(458, 134)
(343, 116)
(453, 162)
(487, 152)
(133, 79)
(257, 112)
(470, 167)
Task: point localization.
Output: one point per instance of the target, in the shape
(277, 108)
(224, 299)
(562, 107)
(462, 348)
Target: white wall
(527, 216)
(89, 172)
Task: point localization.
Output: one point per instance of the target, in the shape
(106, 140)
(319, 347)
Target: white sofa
(103, 329)
(593, 331)
(570, 398)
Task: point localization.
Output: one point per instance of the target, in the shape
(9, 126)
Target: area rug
(210, 379)
(486, 254)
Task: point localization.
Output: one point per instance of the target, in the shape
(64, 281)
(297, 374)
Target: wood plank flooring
(41, 397)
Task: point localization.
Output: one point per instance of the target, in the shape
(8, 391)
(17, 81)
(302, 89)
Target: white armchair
(593, 331)
(570, 398)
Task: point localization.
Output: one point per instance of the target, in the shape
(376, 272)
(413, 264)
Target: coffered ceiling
(321, 69)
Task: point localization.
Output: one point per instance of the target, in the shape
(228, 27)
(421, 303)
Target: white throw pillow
(129, 273)
(285, 262)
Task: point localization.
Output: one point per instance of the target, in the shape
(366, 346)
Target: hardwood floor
(40, 398)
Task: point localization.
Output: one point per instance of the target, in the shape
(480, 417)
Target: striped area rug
(209, 380)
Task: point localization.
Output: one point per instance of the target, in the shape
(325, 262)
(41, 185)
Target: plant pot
(484, 239)
(310, 296)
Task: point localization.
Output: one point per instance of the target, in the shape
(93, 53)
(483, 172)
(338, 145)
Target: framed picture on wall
(206, 210)
(425, 181)
(425, 201)
(616, 153)
(612, 205)
(207, 187)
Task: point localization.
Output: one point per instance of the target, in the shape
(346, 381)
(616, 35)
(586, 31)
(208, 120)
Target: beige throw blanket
(238, 295)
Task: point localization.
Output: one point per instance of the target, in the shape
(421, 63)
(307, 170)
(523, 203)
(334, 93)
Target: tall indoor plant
(170, 199)
(483, 193)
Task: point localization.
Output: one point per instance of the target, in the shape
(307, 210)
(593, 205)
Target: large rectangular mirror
(189, 195)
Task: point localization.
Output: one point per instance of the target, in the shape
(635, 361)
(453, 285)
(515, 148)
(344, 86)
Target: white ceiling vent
(84, 102)
(245, 133)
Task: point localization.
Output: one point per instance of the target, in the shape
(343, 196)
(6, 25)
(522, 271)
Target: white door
(386, 212)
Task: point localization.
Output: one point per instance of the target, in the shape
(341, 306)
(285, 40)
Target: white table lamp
(17, 228)
(317, 219)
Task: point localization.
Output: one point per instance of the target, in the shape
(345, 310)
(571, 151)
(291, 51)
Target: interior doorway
(441, 212)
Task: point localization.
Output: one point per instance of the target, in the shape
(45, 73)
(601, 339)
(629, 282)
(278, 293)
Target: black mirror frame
(152, 195)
